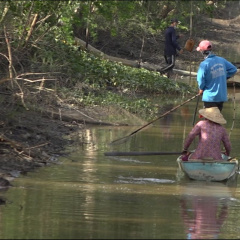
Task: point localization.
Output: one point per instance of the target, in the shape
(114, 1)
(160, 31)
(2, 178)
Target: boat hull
(209, 170)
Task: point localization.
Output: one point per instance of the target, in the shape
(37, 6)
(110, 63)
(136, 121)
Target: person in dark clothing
(171, 47)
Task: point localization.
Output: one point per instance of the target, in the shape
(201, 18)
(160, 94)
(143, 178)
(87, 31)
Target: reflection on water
(204, 208)
(166, 121)
(91, 196)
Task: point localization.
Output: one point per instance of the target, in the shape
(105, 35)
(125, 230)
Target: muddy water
(91, 196)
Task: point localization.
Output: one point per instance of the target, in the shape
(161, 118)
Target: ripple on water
(142, 180)
(128, 160)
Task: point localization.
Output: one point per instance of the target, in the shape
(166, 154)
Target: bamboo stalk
(121, 140)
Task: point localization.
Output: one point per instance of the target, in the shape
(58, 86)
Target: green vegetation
(92, 80)
(38, 51)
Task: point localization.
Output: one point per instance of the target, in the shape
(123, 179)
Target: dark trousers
(214, 104)
(170, 60)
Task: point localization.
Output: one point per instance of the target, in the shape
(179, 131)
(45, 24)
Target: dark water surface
(92, 196)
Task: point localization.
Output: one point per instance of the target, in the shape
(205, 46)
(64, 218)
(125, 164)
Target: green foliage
(96, 81)
(47, 45)
(124, 78)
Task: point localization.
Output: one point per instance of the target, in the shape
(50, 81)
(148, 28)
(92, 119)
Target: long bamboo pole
(140, 153)
(121, 140)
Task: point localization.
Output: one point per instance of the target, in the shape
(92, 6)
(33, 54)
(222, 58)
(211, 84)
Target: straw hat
(213, 114)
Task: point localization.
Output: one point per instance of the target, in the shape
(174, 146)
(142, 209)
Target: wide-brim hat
(213, 114)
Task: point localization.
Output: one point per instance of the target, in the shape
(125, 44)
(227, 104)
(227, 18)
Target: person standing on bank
(212, 76)
(171, 47)
(211, 135)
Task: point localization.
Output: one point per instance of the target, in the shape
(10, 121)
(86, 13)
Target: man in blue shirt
(171, 47)
(212, 76)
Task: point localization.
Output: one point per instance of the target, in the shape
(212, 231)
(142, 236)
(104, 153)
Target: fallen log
(186, 73)
(126, 62)
(95, 51)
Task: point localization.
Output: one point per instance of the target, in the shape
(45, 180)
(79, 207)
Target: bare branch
(31, 28)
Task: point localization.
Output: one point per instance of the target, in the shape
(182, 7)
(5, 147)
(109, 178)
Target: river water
(93, 196)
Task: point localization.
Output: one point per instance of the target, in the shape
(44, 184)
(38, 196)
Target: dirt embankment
(30, 139)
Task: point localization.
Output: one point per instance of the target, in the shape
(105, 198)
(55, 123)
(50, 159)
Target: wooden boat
(235, 80)
(209, 170)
